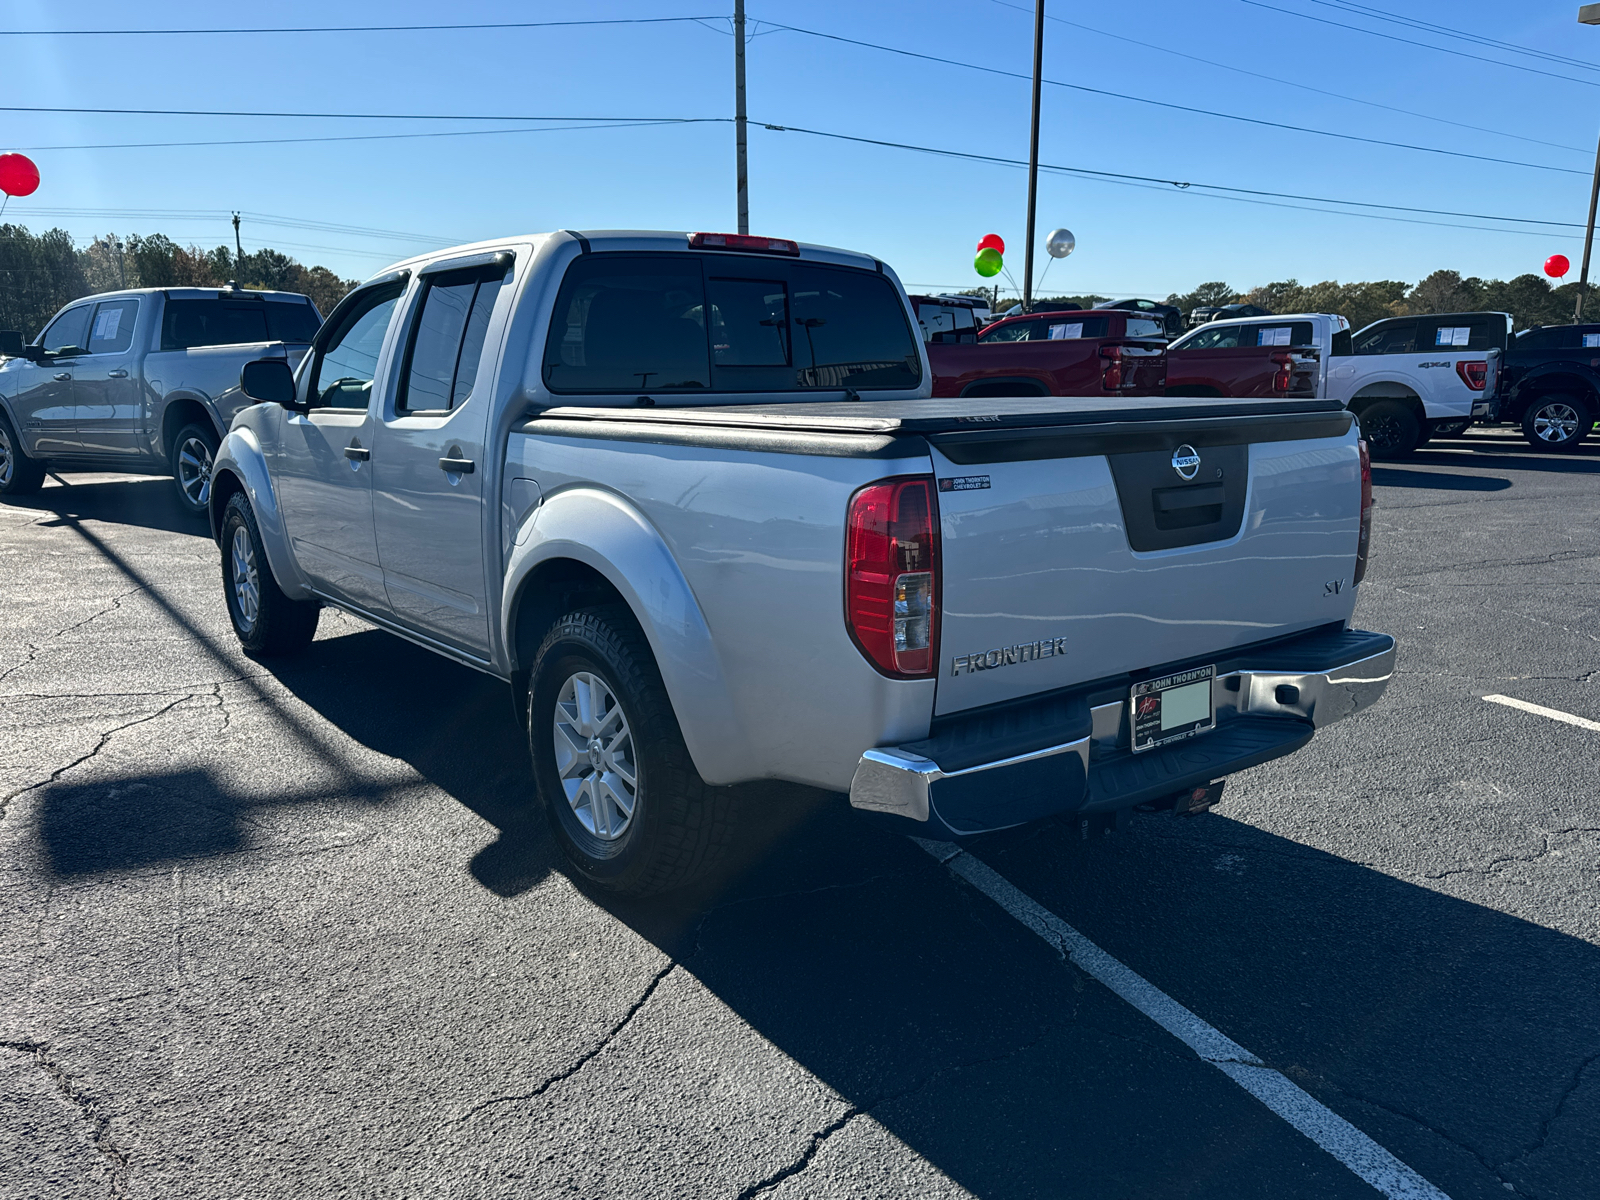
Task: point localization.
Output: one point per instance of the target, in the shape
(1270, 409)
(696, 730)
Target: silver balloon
(1061, 243)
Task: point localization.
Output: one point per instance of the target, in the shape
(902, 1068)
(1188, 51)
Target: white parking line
(1370, 1161)
(1539, 710)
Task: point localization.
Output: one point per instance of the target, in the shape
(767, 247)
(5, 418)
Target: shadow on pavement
(1464, 1040)
(150, 502)
(1444, 481)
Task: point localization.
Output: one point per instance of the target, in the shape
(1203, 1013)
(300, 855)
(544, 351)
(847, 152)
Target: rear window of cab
(685, 322)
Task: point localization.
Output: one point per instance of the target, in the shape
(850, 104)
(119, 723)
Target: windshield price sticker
(1172, 708)
(1278, 335)
(1453, 335)
(1066, 333)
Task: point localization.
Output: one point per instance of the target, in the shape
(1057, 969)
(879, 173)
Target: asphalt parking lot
(293, 931)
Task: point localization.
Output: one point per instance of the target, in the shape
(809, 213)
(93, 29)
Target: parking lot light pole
(1033, 154)
(1589, 14)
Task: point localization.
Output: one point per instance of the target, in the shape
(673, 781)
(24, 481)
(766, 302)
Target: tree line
(1530, 299)
(39, 273)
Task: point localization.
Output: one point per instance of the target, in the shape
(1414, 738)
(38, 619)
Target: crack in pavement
(1506, 859)
(5, 801)
(1561, 1101)
(86, 1106)
(583, 1059)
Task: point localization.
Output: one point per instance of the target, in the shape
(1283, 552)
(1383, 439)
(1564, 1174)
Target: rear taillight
(892, 575)
(1285, 375)
(1111, 380)
(742, 241)
(1473, 374)
(1364, 539)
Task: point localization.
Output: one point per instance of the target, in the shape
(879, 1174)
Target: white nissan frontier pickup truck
(689, 496)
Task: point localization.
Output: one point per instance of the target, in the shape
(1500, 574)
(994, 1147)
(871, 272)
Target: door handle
(357, 453)
(119, 373)
(457, 466)
(62, 377)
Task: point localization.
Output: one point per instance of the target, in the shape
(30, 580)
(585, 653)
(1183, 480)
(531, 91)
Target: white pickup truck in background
(690, 497)
(1410, 378)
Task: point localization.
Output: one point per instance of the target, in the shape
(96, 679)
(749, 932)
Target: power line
(1378, 14)
(379, 137)
(1411, 42)
(1078, 87)
(1242, 195)
(323, 116)
(345, 28)
(202, 214)
(1294, 83)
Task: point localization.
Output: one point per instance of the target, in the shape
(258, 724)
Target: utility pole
(743, 164)
(1589, 14)
(1033, 154)
(239, 246)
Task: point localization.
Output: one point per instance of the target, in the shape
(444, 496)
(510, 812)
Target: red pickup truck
(1278, 357)
(1082, 353)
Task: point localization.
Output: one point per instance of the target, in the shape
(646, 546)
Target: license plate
(1171, 709)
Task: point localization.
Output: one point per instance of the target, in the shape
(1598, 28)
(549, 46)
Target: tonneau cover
(951, 415)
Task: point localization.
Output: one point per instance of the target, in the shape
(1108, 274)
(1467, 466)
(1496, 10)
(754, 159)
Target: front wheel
(1556, 422)
(266, 620)
(19, 474)
(619, 789)
(1391, 429)
(192, 453)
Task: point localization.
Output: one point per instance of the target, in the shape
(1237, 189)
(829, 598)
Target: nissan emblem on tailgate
(1186, 462)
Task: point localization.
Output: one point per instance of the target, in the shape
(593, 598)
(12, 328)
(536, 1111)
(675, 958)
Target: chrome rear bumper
(905, 780)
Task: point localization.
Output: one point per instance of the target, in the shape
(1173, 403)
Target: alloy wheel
(1556, 423)
(194, 471)
(246, 577)
(7, 462)
(595, 756)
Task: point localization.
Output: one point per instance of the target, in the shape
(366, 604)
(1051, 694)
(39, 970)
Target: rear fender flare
(604, 532)
(240, 465)
(1542, 379)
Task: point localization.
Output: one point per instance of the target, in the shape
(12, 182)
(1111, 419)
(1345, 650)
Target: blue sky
(921, 213)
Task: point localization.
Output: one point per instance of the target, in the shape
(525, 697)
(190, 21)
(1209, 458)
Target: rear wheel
(266, 620)
(19, 474)
(619, 789)
(1391, 429)
(1556, 422)
(193, 451)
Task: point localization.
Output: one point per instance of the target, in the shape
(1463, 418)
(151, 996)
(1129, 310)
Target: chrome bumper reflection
(892, 780)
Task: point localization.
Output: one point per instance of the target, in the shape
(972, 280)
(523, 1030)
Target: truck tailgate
(1071, 554)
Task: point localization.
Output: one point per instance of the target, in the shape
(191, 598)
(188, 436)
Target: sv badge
(1333, 587)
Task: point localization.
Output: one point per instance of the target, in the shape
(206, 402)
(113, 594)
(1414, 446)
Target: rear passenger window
(1400, 338)
(1218, 337)
(1295, 333)
(111, 330)
(689, 322)
(446, 347)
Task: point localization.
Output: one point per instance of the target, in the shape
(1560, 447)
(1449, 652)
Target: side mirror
(268, 381)
(10, 343)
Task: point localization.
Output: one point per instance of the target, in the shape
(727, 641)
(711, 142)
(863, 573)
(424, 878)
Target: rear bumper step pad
(1069, 753)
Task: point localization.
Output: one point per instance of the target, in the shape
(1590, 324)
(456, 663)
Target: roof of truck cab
(637, 240)
(201, 293)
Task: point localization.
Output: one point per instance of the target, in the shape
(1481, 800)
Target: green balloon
(988, 262)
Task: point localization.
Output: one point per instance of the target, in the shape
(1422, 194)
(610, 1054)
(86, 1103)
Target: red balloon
(994, 240)
(1556, 265)
(18, 175)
